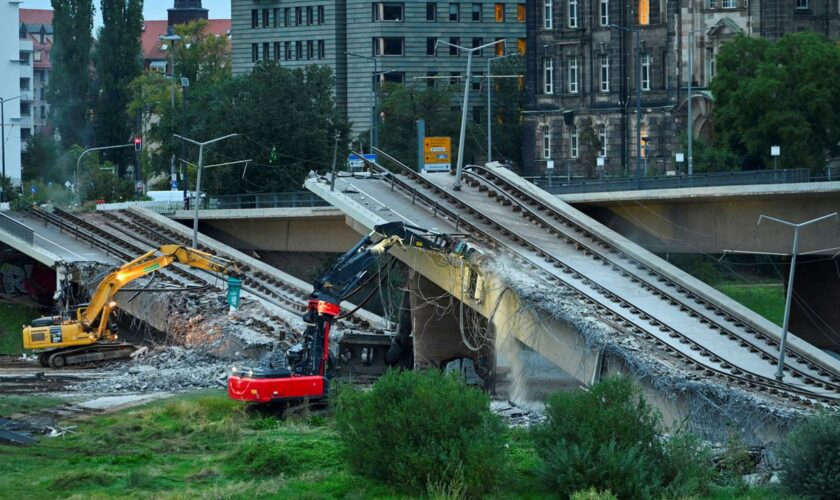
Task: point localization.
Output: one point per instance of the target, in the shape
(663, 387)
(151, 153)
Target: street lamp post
(786, 321)
(173, 38)
(775, 151)
(88, 150)
(197, 200)
(374, 119)
(638, 33)
(470, 51)
(690, 130)
(3, 139)
(490, 105)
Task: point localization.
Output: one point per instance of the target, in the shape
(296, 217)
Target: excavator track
(85, 355)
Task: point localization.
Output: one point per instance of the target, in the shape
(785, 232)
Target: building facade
(581, 69)
(36, 26)
(367, 42)
(15, 65)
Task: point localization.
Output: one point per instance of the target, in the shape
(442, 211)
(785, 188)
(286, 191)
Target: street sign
(437, 154)
(357, 162)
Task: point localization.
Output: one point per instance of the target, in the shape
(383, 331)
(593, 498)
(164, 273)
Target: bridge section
(587, 299)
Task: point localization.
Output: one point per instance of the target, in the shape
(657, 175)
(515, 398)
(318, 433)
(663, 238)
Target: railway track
(632, 297)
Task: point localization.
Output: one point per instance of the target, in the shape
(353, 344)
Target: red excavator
(305, 372)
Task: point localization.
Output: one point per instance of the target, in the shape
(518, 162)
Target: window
(287, 17)
(605, 72)
(602, 140)
(500, 47)
(265, 18)
(520, 13)
(298, 16)
(476, 80)
(430, 45)
(710, 64)
(710, 4)
(520, 46)
(276, 51)
(573, 74)
(255, 18)
(548, 75)
(310, 49)
(431, 77)
(604, 13)
(266, 54)
(255, 52)
(500, 12)
(36, 55)
(476, 12)
(548, 17)
(388, 46)
(275, 20)
(573, 14)
(25, 132)
(477, 42)
(453, 77)
(388, 11)
(431, 11)
(298, 50)
(288, 48)
(24, 84)
(546, 143)
(801, 4)
(310, 16)
(730, 4)
(645, 71)
(573, 142)
(322, 52)
(43, 111)
(320, 14)
(644, 12)
(453, 51)
(454, 12)
(393, 77)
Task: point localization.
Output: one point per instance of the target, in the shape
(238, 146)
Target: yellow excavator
(88, 338)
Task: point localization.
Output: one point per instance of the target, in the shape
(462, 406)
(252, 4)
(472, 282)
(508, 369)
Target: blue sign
(356, 162)
(34, 190)
(174, 185)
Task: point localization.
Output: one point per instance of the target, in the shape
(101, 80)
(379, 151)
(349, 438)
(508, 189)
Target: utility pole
(470, 52)
(789, 296)
(335, 158)
(197, 200)
(690, 130)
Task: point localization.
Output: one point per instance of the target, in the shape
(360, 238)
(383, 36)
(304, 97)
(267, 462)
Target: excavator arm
(305, 376)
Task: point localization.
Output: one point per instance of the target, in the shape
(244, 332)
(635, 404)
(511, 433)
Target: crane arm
(102, 304)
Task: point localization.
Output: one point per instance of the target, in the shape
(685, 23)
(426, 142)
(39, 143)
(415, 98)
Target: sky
(152, 9)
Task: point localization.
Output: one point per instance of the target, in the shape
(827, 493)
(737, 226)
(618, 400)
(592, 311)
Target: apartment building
(15, 65)
(581, 68)
(36, 26)
(369, 42)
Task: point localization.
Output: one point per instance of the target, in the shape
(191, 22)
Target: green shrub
(607, 438)
(735, 461)
(419, 429)
(811, 457)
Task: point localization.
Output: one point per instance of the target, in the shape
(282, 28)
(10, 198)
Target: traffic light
(138, 144)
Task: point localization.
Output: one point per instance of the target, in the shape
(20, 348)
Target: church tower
(185, 11)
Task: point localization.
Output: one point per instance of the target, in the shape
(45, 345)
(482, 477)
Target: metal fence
(17, 229)
(566, 185)
(266, 200)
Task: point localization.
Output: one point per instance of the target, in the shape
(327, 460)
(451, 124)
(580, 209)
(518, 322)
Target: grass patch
(10, 405)
(12, 318)
(766, 300)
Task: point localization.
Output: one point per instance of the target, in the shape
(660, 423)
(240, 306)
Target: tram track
(730, 350)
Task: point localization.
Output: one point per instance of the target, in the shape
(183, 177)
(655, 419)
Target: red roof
(36, 16)
(152, 30)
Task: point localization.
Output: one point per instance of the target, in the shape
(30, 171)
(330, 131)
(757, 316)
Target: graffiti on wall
(32, 279)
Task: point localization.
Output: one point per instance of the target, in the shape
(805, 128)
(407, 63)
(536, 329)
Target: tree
(69, 89)
(782, 93)
(589, 147)
(201, 56)
(508, 99)
(118, 62)
(39, 157)
(287, 119)
(402, 105)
